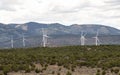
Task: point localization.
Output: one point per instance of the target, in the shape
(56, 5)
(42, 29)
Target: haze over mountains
(58, 33)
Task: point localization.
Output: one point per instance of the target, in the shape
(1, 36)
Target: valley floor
(70, 60)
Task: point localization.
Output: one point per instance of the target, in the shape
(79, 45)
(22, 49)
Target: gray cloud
(7, 8)
(62, 11)
(71, 9)
(113, 2)
(8, 5)
(107, 5)
(116, 16)
(39, 1)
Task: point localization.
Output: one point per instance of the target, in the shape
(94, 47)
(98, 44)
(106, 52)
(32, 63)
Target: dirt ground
(54, 70)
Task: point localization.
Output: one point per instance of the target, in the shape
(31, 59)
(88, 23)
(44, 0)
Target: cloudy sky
(106, 12)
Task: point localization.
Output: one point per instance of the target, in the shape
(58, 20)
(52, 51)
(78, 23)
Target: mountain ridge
(54, 24)
(60, 35)
(54, 28)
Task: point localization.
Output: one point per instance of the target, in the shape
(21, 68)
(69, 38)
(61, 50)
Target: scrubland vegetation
(105, 57)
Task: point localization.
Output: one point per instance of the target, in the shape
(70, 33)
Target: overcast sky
(106, 12)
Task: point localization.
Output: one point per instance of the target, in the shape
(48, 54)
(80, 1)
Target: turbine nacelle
(45, 36)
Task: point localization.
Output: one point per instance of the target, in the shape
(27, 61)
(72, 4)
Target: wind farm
(59, 37)
(52, 36)
(46, 50)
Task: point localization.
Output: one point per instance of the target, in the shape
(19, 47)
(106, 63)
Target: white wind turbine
(83, 38)
(12, 42)
(97, 41)
(44, 37)
(23, 39)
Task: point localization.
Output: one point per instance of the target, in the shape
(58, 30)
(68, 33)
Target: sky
(67, 12)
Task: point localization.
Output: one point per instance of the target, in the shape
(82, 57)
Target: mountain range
(57, 32)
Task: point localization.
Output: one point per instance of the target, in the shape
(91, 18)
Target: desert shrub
(1, 67)
(112, 70)
(116, 71)
(68, 73)
(15, 68)
(103, 72)
(27, 70)
(98, 72)
(104, 57)
(6, 69)
(53, 72)
(37, 70)
(44, 68)
(58, 73)
(59, 69)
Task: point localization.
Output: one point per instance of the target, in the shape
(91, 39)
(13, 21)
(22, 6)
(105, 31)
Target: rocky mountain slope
(58, 33)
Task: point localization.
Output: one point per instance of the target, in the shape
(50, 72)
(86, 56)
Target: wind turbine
(23, 40)
(12, 42)
(83, 38)
(44, 37)
(97, 41)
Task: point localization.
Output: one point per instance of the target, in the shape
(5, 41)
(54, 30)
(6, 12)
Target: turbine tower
(23, 40)
(83, 39)
(44, 37)
(97, 41)
(12, 42)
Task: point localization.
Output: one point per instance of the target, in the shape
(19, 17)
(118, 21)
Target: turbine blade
(81, 33)
(85, 34)
(97, 33)
(98, 41)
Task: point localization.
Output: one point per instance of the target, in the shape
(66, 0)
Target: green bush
(104, 56)
(103, 72)
(68, 73)
(58, 73)
(27, 70)
(53, 72)
(37, 70)
(7, 68)
(116, 71)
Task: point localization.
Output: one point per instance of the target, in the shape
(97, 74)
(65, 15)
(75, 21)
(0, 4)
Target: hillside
(85, 60)
(34, 28)
(58, 33)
